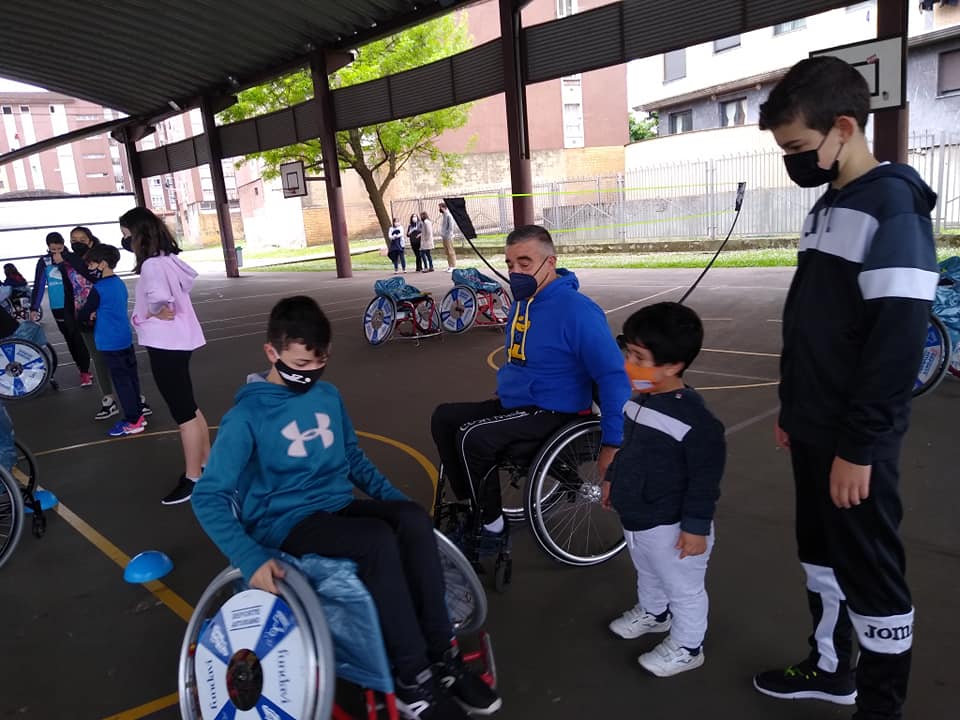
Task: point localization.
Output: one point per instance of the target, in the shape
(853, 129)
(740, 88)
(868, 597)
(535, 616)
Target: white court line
(643, 299)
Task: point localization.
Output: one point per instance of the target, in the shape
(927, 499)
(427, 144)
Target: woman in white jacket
(426, 242)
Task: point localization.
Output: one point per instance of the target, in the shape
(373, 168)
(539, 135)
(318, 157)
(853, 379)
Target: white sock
(193, 480)
(496, 526)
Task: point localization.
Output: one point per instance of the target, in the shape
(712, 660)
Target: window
(7, 110)
(94, 156)
(566, 7)
(53, 109)
(733, 112)
(681, 122)
(726, 43)
(674, 65)
(572, 125)
(97, 175)
(25, 109)
(787, 27)
(88, 117)
(948, 73)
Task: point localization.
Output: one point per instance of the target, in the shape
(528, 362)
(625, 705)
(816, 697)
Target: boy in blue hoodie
(287, 455)
(854, 325)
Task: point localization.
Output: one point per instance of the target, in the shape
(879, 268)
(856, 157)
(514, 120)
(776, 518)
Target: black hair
(818, 90)
(532, 232)
(298, 319)
(673, 333)
(150, 235)
(55, 237)
(102, 252)
(94, 240)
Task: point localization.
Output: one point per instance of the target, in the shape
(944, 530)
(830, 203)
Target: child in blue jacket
(287, 454)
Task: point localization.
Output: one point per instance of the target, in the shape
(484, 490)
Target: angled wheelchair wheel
(379, 319)
(248, 650)
(24, 369)
(563, 499)
(458, 309)
(465, 597)
(501, 307)
(11, 515)
(427, 317)
(936, 358)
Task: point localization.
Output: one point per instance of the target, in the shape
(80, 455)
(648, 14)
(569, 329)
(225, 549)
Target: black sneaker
(807, 682)
(107, 410)
(426, 701)
(473, 694)
(181, 493)
(145, 409)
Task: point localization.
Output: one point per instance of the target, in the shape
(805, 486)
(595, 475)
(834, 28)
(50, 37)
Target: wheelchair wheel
(466, 600)
(379, 319)
(458, 309)
(563, 499)
(936, 358)
(24, 369)
(427, 317)
(501, 307)
(249, 650)
(11, 515)
(25, 469)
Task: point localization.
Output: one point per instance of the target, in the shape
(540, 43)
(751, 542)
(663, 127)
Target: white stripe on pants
(664, 580)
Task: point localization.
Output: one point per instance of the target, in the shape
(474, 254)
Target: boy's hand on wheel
(689, 544)
(263, 578)
(849, 483)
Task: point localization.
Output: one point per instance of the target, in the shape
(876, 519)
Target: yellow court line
(738, 387)
(94, 443)
(425, 463)
(147, 708)
(493, 352)
(742, 352)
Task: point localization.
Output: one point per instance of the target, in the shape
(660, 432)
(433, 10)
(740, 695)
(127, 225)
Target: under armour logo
(298, 446)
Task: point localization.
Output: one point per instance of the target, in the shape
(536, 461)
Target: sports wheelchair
(398, 306)
(282, 655)
(27, 363)
(17, 303)
(17, 498)
(474, 299)
(554, 485)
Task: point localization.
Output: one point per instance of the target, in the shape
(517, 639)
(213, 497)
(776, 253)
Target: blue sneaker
(124, 428)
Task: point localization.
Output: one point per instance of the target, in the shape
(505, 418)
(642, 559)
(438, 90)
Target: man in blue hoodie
(854, 325)
(286, 457)
(558, 349)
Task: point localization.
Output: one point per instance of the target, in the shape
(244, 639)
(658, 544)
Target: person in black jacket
(664, 482)
(854, 325)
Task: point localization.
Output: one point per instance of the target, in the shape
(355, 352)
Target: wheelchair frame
(19, 485)
(554, 486)
(463, 307)
(412, 319)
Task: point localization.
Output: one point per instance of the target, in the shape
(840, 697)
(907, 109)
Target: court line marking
(741, 352)
(141, 711)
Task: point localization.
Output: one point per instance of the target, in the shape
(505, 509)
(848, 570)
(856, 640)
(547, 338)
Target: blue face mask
(524, 286)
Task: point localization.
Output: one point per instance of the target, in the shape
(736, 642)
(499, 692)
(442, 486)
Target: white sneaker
(668, 659)
(636, 622)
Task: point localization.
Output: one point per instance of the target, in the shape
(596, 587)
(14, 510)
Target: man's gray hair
(532, 232)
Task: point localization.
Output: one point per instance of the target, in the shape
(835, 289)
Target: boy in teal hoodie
(286, 456)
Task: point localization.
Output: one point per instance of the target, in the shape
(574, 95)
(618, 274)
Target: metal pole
(941, 176)
(518, 137)
(890, 126)
(331, 164)
(215, 156)
(136, 174)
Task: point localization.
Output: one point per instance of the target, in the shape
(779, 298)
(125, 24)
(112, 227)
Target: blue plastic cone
(148, 565)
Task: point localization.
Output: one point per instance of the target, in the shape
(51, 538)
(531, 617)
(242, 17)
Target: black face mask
(297, 380)
(79, 248)
(127, 243)
(804, 167)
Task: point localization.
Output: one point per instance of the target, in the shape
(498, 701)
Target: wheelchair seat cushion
(397, 289)
(475, 280)
(351, 615)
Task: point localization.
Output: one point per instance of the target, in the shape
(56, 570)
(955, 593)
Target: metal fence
(688, 200)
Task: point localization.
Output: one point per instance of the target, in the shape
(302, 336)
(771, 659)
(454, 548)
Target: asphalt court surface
(76, 641)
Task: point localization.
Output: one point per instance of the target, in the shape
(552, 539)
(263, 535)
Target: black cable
(741, 189)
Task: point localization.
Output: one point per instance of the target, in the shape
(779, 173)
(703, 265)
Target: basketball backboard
(292, 179)
(881, 62)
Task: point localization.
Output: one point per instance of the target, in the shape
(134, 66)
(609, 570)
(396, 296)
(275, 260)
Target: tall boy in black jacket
(853, 332)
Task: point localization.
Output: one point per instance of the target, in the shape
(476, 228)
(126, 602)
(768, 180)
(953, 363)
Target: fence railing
(688, 200)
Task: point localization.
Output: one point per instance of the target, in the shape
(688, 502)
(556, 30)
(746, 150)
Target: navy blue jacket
(669, 467)
(855, 318)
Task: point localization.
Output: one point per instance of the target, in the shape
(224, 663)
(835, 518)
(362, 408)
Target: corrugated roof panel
(364, 104)
(421, 90)
(478, 73)
(578, 43)
(652, 27)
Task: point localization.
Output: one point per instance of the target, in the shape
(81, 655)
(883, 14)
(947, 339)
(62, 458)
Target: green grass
(212, 254)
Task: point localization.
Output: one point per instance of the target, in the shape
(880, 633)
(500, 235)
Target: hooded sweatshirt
(559, 346)
(279, 457)
(166, 280)
(856, 315)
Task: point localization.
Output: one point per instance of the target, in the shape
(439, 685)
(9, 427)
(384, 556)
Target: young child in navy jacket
(664, 482)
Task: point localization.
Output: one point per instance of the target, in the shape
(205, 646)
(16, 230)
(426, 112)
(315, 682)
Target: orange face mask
(642, 379)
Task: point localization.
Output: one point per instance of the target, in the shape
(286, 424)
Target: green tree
(643, 129)
(379, 152)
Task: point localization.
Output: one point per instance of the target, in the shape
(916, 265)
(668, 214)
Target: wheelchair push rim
(936, 358)
(458, 309)
(12, 516)
(464, 594)
(563, 499)
(257, 651)
(25, 469)
(379, 319)
(24, 369)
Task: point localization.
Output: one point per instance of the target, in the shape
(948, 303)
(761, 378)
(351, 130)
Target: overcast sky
(13, 86)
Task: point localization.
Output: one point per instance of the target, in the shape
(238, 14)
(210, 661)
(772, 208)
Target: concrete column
(331, 164)
(518, 136)
(219, 188)
(891, 126)
(136, 174)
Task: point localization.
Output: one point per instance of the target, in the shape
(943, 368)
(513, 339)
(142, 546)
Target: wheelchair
(475, 299)
(16, 496)
(27, 363)
(401, 308)
(553, 486)
(18, 305)
(282, 655)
